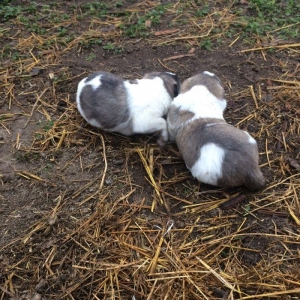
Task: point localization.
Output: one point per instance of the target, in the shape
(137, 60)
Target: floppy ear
(176, 89)
(176, 86)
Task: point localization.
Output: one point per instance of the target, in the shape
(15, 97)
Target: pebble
(36, 296)
(40, 287)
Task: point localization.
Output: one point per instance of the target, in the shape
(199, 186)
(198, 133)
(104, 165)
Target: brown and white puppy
(111, 103)
(214, 151)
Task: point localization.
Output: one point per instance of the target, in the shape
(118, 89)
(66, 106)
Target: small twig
(105, 164)
(177, 56)
(270, 47)
(168, 68)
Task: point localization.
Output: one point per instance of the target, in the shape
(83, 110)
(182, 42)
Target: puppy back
(191, 137)
(241, 160)
(170, 80)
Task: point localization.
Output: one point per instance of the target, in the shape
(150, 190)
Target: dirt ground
(87, 214)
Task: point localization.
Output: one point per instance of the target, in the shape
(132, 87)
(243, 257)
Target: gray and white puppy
(111, 103)
(215, 152)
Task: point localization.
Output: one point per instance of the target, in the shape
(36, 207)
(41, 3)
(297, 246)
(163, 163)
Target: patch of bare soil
(92, 215)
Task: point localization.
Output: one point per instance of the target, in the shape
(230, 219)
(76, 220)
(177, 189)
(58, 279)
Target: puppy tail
(255, 180)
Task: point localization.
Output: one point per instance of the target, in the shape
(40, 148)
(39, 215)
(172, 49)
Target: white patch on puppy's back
(147, 100)
(200, 101)
(251, 140)
(148, 95)
(209, 73)
(208, 168)
(95, 82)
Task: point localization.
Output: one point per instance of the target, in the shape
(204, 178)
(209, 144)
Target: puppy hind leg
(152, 125)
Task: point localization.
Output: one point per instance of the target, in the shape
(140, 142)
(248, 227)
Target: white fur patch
(209, 73)
(173, 74)
(251, 140)
(208, 168)
(200, 101)
(148, 101)
(95, 82)
(80, 86)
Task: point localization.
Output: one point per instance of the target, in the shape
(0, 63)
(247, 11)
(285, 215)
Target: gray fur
(108, 102)
(133, 81)
(176, 117)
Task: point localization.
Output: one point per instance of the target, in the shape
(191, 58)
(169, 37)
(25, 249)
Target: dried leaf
(51, 76)
(294, 163)
(167, 31)
(148, 23)
(192, 50)
(284, 126)
(40, 287)
(288, 105)
(177, 56)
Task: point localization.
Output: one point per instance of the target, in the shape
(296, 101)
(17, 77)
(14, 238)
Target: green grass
(136, 27)
(7, 11)
(86, 44)
(112, 48)
(48, 125)
(97, 9)
(271, 19)
(265, 16)
(91, 56)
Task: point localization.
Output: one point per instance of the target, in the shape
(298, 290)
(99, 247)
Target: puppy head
(170, 80)
(207, 79)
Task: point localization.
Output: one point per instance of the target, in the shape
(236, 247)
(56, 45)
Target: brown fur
(240, 165)
(175, 119)
(193, 136)
(212, 83)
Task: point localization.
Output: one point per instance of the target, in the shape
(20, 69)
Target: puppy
(214, 151)
(129, 107)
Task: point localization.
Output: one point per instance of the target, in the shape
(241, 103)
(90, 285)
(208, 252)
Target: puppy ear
(176, 89)
(176, 86)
